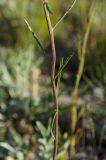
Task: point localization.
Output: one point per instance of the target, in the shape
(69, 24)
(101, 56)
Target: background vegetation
(26, 103)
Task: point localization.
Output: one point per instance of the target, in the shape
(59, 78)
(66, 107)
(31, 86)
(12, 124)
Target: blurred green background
(25, 90)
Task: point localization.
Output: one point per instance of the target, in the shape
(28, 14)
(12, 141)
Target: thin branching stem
(83, 50)
(65, 14)
(51, 34)
(79, 75)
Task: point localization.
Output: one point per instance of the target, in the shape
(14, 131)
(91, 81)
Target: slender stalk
(35, 36)
(51, 34)
(65, 14)
(83, 53)
(79, 75)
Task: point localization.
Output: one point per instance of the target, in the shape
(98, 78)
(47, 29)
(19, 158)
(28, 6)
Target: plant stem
(51, 34)
(79, 75)
(65, 14)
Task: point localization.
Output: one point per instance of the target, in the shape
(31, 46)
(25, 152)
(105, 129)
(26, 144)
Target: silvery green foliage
(45, 141)
(15, 69)
(7, 149)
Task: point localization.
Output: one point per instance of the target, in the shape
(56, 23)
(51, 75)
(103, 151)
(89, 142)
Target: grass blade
(52, 125)
(35, 37)
(60, 74)
(63, 66)
(65, 14)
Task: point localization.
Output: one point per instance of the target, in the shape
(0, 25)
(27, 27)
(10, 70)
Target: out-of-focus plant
(45, 143)
(19, 88)
(19, 81)
(97, 75)
(82, 55)
(7, 150)
(19, 76)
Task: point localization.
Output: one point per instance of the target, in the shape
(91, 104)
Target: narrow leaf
(60, 74)
(65, 14)
(52, 124)
(35, 37)
(85, 87)
(41, 128)
(7, 146)
(63, 66)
